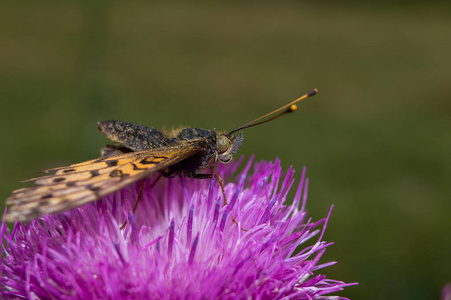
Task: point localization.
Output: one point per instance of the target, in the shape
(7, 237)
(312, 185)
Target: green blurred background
(376, 140)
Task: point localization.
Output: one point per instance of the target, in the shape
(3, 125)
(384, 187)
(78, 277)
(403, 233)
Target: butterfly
(140, 152)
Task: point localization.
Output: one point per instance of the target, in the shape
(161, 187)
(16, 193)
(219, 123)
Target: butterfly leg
(210, 176)
(140, 195)
(221, 183)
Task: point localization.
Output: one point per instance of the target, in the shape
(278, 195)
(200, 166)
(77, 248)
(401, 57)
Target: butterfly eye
(223, 144)
(225, 159)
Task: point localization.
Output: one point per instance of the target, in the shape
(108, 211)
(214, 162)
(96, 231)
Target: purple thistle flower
(180, 244)
(446, 292)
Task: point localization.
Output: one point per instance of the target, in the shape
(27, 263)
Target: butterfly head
(227, 145)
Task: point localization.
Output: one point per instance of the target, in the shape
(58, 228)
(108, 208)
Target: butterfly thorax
(204, 140)
(213, 146)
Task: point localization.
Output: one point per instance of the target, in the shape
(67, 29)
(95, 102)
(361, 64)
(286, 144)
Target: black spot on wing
(111, 163)
(70, 184)
(94, 173)
(68, 170)
(47, 196)
(118, 173)
(59, 179)
(148, 161)
(93, 188)
(136, 168)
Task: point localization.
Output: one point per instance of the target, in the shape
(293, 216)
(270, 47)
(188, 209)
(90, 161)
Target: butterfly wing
(85, 182)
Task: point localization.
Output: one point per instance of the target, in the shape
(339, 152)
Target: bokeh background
(376, 140)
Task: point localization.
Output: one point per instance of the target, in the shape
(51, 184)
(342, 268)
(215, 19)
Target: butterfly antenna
(290, 107)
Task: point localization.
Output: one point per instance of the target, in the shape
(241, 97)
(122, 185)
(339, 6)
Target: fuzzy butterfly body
(140, 151)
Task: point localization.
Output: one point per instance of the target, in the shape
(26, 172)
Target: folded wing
(78, 184)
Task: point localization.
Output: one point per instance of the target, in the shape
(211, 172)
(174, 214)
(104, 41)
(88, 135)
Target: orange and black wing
(85, 182)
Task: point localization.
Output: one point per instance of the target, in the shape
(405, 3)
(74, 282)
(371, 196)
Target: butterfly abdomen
(132, 136)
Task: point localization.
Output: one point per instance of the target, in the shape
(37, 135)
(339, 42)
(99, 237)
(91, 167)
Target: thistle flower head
(446, 292)
(180, 244)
